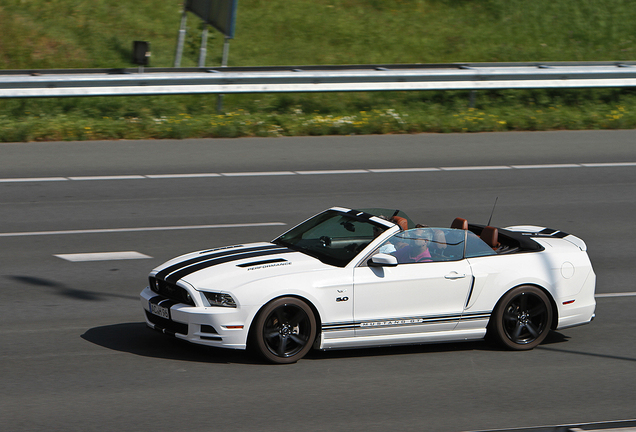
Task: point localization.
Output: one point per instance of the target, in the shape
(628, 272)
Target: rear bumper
(581, 310)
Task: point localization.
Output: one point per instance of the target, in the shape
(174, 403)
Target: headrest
(490, 235)
(400, 221)
(460, 223)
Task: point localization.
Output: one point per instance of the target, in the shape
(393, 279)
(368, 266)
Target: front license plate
(159, 311)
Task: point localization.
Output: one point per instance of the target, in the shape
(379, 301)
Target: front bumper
(211, 326)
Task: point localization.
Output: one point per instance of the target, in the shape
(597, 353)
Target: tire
(284, 330)
(523, 318)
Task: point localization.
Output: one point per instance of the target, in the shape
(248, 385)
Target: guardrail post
(226, 53)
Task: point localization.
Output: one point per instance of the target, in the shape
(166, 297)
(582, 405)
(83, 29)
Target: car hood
(222, 269)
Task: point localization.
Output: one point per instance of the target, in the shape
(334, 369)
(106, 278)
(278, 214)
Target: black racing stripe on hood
(178, 266)
(174, 277)
(262, 262)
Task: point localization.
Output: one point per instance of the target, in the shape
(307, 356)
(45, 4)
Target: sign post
(220, 14)
(181, 39)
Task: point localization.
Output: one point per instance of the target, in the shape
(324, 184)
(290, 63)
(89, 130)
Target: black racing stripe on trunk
(175, 267)
(546, 232)
(551, 233)
(174, 277)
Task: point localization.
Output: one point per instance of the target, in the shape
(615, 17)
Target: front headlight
(219, 299)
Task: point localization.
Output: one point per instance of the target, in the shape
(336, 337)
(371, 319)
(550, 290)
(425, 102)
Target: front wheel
(522, 318)
(285, 330)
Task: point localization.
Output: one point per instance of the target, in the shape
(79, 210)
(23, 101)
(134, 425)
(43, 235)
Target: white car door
(412, 297)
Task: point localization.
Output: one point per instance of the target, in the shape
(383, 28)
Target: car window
(425, 245)
(476, 247)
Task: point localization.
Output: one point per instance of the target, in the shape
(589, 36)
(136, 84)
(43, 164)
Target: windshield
(333, 237)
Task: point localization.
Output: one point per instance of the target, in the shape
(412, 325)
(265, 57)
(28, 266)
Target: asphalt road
(76, 356)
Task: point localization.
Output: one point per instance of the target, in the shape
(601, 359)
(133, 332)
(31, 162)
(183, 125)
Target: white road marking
(403, 170)
(33, 179)
(176, 176)
(140, 229)
(621, 294)
(547, 166)
(258, 174)
(476, 168)
(122, 177)
(323, 172)
(609, 164)
(103, 256)
(319, 172)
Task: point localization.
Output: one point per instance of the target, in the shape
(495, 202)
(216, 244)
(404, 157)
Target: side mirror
(383, 260)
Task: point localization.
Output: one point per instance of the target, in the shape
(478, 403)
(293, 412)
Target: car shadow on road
(64, 290)
(136, 338)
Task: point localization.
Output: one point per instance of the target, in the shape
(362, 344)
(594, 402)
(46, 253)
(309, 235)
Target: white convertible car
(361, 278)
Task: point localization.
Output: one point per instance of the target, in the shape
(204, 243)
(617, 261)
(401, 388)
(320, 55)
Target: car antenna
(493, 211)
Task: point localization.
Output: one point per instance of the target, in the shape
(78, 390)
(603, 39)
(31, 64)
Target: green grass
(99, 34)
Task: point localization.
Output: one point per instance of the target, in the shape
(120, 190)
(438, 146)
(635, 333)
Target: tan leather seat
(460, 223)
(490, 235)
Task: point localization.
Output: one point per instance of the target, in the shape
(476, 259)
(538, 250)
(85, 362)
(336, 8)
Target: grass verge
(165, 117)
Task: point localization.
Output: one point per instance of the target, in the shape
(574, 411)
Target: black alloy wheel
(285, 330)
(522, 318)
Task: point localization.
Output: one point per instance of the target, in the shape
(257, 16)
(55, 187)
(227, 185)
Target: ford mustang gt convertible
(366, 278)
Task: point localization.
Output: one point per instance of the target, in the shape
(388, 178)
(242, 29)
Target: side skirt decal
(408, 321)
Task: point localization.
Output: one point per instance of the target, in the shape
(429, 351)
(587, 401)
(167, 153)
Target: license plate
(159, 311)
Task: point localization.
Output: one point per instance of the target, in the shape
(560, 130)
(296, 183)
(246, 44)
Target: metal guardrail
(348, 78)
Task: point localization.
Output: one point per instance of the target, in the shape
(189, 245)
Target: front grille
(171, 291)
(166, 325)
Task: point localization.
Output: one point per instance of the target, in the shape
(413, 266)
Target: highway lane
(76, 356)
(310, 153)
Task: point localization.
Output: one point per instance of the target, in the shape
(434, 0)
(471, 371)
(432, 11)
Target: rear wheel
(522, 318)
(285, 330)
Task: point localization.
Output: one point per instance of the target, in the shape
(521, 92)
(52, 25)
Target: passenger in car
(417, 248)
(437, 246)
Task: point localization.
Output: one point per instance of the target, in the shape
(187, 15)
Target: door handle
(454, 275)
